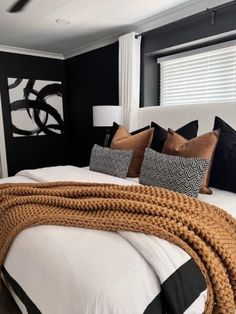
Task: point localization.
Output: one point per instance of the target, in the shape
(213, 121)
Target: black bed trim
(28, 303)
(183, 287)
(156, 306)
(187, 279)
(179, 290)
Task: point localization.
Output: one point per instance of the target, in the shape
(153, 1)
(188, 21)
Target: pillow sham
(223, 173)
(113, 162)
(159, 136)
(179, 174)
(202, 146)
(115, 127)
(137, 142)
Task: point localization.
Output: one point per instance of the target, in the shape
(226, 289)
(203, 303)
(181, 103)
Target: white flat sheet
(70, 173)
(222, 199)
(17, 179)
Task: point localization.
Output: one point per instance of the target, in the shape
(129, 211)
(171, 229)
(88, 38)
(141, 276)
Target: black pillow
(115, 127)
(223, 173)
(159, 136)
(113, 130)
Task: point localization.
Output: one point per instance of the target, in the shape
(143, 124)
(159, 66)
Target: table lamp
(104, 116)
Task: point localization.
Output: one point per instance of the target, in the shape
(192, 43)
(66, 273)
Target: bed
(53, 269)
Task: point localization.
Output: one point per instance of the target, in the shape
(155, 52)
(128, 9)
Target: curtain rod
(208, 10)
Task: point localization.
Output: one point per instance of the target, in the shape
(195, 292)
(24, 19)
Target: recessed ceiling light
(62, 22)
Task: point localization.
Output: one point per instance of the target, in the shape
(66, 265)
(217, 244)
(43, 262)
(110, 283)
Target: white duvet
(68, 270)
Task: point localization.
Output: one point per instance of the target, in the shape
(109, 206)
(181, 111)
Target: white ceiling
(92, 21)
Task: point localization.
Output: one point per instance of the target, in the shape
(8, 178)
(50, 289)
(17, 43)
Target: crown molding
(158, 20)
(174, 14)
(30, 52)
(95, 45)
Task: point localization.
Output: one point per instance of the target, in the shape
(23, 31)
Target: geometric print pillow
(179, 174)
(110, 161)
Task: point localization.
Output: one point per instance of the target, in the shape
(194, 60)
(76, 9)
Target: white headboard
(176, 116)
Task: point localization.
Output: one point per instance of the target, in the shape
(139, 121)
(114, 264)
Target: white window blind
(199, 76)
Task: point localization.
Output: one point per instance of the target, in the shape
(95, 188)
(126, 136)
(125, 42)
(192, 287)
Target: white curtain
(129, 78)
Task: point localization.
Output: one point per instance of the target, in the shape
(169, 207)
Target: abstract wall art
(36, 107)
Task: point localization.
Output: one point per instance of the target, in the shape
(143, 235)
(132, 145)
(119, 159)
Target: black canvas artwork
(36, 107)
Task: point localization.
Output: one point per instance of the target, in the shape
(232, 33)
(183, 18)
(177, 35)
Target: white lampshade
(106, 115)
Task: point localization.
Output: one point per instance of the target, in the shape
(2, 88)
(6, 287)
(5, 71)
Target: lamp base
(107, 137)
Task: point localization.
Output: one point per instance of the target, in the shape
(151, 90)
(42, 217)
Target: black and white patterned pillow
(175, 173)
(110, 161)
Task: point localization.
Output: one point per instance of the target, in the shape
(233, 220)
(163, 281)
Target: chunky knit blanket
(205, 232)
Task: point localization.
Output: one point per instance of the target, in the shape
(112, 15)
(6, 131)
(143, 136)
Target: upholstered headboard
(176, 116)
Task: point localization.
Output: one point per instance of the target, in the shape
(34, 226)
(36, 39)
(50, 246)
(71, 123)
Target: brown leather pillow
(137, 142)
(202, 146)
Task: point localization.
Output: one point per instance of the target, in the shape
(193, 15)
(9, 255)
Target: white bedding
(68, 270)
(223, 199)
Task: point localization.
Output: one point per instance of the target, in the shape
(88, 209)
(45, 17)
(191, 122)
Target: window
(205, 75)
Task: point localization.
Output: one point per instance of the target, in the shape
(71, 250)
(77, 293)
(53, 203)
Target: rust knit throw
(206, 232)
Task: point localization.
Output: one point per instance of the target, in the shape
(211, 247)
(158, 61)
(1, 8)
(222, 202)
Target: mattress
(53, 269)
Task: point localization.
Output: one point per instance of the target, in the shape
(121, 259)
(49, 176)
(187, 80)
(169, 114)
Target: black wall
(31, 152)
(177, 36)
(92, 79)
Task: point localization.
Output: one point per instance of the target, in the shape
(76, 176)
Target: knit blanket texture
(205, 232)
